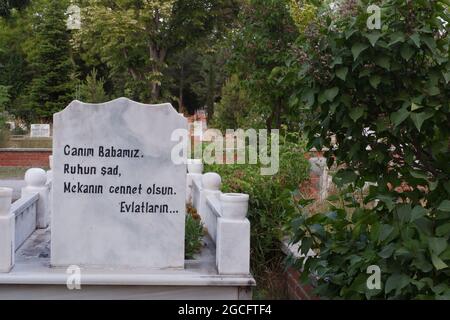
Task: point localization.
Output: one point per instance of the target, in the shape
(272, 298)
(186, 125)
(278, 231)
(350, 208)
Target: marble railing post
(233, 235)
(211, 183)
(7, 231)
(35, 180)
(50, 171)
(195, 170)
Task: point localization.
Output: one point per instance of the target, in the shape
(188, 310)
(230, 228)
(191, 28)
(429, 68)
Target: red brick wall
(25, 158)
(297, 290)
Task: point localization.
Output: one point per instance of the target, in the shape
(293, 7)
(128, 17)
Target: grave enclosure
(113, 207)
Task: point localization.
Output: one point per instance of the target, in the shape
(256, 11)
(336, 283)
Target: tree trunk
(156, 92)
(269, 121)
(181, 108)
(278, 112)
(158, 56)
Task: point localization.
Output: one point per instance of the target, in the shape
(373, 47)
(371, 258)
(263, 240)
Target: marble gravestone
(40, 131)
(118, 198)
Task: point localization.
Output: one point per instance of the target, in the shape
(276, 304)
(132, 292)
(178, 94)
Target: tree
(52, 86)
(261, 48)
(212, 78)
(384, 94)
(236, 110)
(136, 37)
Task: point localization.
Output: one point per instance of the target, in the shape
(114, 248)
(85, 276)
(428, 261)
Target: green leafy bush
(4, 100)
(385, 96)
(270, 209)
(194, 233)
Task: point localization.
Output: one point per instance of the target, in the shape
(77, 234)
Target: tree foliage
(53, 85)
(384, 94)
(261, 45)
(136, 37)
(93, 89)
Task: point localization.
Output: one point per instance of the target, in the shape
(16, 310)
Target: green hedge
(271, 208)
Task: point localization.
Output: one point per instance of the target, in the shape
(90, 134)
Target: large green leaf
(398, 117)
(385, 231)
(430, 42)
(438, 263)
(343, 177)
(356, 113)
(443, 230)
(396, 37)
(387, 251)
(407, 52)
(358, 48)
(384, 62)
(446, 76)
(422, 263)
(420, 118)
(417, 213)
(415, 107)
(375, 81)
(415, 37)
(373, 37)
(308, 97)
(404, 213)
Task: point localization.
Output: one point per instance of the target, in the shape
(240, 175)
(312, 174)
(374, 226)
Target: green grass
(29, 143)
(13, 173)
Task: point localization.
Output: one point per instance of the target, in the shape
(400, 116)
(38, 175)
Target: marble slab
(118, 198)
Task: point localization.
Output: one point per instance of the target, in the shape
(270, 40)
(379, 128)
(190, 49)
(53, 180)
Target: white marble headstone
(118, 198)
(40, 131)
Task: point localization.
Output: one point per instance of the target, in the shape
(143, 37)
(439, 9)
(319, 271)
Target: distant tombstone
(73, 14)
(118, 198)
(40, 131)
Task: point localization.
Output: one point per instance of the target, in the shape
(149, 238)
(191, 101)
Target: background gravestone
(118, 199)
(40, 131)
